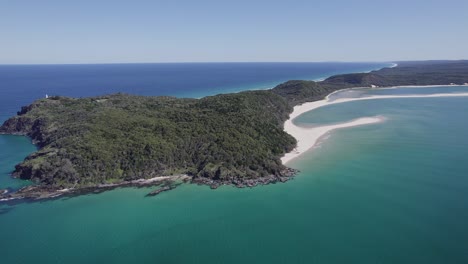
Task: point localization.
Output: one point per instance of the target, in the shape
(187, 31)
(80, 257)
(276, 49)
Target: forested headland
(223, 139)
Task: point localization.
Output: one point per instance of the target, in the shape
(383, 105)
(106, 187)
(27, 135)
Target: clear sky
(102, 31)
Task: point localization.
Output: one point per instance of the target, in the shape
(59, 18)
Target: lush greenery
(84, 142)
(96, 140)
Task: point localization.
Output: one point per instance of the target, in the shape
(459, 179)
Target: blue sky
(66, 31)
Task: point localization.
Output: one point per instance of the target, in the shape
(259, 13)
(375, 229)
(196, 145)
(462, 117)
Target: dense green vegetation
(89, 141)
(96, 140)
(407, 73)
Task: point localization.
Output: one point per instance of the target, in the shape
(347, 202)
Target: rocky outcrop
(25, 126)
(286, 175)
(17, 126)
(160, 190)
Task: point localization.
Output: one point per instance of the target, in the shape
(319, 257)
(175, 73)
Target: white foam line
(308, 137)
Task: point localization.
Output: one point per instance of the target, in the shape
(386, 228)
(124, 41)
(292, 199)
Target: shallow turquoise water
(393, 192)
(13, 150)
(399, 107)
(404, 181)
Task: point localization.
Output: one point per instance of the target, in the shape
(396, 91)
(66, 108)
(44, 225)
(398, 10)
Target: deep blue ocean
(390, 192)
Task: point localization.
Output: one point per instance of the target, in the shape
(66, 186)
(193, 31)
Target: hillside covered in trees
(123, 137)
(230, 137)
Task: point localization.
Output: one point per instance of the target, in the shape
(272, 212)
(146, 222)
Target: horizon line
(214, 62)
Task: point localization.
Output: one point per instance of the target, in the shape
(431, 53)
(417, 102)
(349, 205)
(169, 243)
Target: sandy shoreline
(308, 137)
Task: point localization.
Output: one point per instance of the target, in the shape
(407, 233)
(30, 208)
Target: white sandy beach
(308, 137)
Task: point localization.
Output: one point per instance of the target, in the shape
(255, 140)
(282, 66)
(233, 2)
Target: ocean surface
(391, 192)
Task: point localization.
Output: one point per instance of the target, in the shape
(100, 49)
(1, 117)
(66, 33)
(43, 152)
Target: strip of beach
(307, 138)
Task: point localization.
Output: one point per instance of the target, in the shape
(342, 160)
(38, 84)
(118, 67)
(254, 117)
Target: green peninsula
(238, 139)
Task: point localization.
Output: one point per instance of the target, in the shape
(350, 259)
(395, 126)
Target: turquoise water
(393, 192)
(13, 149)
(356, 109)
